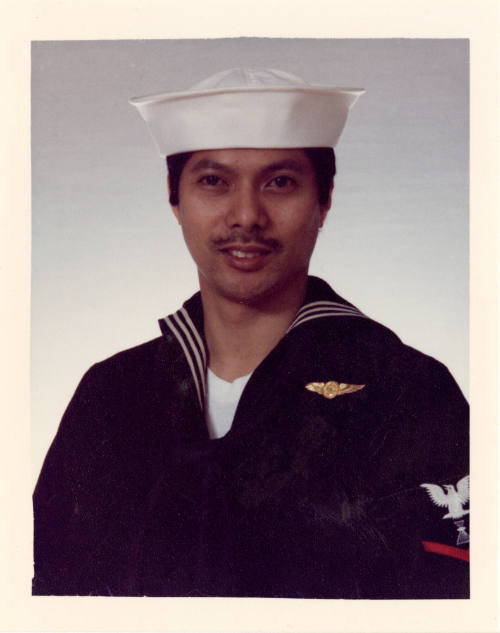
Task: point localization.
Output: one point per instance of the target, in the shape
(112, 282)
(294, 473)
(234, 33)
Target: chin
(253, 293)
(245, 295)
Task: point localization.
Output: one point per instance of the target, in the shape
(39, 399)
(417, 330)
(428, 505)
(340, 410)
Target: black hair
(175, 165)
(323, 162)
(322, 159)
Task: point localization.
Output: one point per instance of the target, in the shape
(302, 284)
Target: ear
(326, 207)
(175, 208)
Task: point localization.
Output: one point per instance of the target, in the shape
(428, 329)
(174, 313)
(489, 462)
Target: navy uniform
(344, 474)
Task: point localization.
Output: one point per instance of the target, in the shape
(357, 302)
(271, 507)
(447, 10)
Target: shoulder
(116, 399)
(334, 340)
(121, 382)
(133, 362)
(362, 345)
(347, 336)
(133, 355)
(409, 400)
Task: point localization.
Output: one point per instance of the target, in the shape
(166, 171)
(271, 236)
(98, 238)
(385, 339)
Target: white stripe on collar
(320, 309)
(202, 363)
(192, 345)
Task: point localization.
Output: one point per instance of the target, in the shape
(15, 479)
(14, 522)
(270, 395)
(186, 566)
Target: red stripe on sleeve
(446, 550)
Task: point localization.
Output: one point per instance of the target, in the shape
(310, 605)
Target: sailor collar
(186, 325)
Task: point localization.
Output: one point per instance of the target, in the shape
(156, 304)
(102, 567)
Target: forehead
(239, 159)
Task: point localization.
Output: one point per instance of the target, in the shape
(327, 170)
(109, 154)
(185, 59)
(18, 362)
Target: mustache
(242, 237)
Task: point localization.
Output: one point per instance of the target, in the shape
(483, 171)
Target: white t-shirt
(222, 400)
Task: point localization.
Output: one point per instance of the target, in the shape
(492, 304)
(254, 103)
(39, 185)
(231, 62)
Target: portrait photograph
(110, 272)
(250, 348)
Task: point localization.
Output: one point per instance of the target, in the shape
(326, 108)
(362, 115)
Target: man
(274, 441)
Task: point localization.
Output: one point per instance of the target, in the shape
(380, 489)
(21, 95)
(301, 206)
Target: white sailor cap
(247, 108)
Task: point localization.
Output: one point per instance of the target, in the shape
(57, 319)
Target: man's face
(250, 218)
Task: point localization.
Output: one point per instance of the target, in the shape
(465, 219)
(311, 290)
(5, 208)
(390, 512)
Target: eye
(282, 182)
(210, 180)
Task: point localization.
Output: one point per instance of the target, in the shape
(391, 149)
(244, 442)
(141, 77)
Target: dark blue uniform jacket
(307, 495)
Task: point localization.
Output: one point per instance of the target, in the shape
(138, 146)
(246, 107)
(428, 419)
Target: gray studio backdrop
(108, 257)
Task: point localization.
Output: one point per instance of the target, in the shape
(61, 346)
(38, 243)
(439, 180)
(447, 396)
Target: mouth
(245, 254)
(248, 257)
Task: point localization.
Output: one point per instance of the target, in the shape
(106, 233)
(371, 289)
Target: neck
(239, 336)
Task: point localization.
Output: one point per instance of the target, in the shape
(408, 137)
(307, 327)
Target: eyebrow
(287, 163)
(206, 163)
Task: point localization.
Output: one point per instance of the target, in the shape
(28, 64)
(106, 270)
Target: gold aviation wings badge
(332, 388)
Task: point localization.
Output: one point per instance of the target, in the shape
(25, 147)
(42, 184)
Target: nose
(246, 209)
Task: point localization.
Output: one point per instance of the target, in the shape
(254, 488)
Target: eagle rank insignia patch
(453, 499)
(332, 388)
